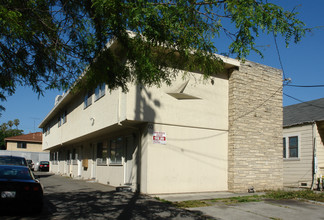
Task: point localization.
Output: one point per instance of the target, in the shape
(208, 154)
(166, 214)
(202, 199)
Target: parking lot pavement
(268, 209)
(66, 198)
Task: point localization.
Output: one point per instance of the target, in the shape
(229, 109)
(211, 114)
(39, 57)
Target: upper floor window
(291, 147)
(61, 119)
(88, 99)
(46, 130)
(100, 91)
(64, 117)
(21, 145)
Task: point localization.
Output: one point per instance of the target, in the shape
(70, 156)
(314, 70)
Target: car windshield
(11, 172)
(13, 161)
(44, 162)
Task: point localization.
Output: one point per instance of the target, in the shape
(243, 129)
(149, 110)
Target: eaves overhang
(302, 123)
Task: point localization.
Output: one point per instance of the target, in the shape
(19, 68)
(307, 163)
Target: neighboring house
(303, 149)
(26, 145)
(193, 136)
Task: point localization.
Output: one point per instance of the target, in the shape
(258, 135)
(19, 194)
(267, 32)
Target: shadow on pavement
(111, 205)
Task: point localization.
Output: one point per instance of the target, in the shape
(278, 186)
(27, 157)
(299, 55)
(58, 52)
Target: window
(116, 151)
(22, 145)
(88, 99)
(64, 117)
(102, 154)
(284, 147)
(74, 157)
(46, 130)
(68, 157)
(59, 121)
(54, 158)
(291, 147)
(100, 91)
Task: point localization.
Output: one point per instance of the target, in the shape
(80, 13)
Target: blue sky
(302, 62)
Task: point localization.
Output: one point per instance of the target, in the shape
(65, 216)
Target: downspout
(118, 107)
(314, 155)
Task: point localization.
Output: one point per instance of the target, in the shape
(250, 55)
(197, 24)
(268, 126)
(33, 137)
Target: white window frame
(287, 136)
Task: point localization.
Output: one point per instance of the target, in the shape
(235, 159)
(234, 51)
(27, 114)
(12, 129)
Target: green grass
(277, 194)
(210, 202)
(300, 194)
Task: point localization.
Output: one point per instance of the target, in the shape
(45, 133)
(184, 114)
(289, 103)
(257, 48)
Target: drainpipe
(314, 156)
(118, 107)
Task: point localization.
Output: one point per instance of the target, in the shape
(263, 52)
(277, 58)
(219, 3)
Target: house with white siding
(196, 135)
(303, 148)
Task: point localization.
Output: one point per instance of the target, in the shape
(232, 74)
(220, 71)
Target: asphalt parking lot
(66, 198)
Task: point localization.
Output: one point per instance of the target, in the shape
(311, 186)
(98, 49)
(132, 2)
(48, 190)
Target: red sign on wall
(159, 138)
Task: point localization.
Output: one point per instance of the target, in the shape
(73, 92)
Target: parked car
(31, 164)
(43, 166)
(19, 189)
(13, 160)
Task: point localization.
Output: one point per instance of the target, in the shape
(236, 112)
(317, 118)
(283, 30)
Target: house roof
(303, 113)
(32, 137)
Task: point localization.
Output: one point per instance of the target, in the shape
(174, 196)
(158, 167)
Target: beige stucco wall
(255, 128)
(154, 104)
(191, 160)
(80, 122)
(194, 158)
(30, 147)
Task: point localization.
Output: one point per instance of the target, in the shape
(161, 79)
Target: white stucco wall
(191, 160)
(154, 104)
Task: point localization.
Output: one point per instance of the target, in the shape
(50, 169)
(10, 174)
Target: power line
(303, 102)
(278, 53)
(304, 86)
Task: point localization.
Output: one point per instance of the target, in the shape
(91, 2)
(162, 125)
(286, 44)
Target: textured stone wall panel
(255, 128)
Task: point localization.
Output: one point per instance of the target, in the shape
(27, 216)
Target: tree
(16, 123)
(5, 132)
(47, 44)
(10, 124)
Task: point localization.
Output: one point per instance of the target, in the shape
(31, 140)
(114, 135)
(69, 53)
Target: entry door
(130, 160)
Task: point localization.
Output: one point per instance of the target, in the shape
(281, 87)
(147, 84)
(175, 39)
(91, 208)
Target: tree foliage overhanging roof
(47, 44)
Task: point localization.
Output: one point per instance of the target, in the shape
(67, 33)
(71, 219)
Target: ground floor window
(74, 157)
(291, 146)
(102, 154)
(54, 157)
(116, 151)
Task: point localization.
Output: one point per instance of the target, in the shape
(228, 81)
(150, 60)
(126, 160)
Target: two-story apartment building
(193, 136)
